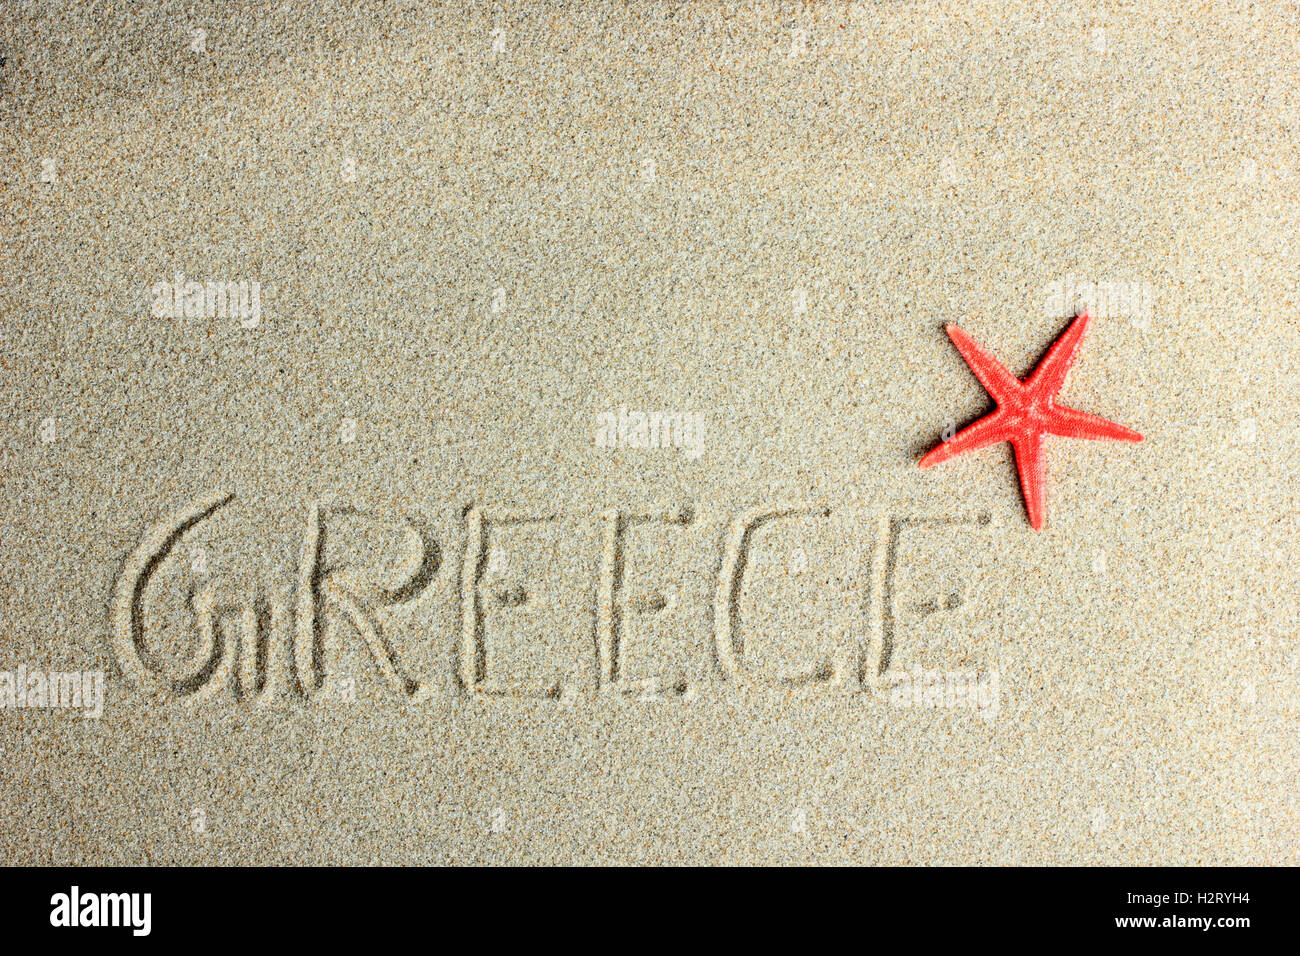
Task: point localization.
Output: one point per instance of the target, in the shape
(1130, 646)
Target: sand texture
(330, 341)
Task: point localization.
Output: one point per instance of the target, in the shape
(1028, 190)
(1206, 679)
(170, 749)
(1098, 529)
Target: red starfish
(1026, 412)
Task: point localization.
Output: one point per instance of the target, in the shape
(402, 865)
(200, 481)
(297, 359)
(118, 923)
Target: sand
(382, 570)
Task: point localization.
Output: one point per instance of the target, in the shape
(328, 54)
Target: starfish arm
(1072, 423)
(1032, 466)
(987, 431)
(997, 381)
(1049, 376)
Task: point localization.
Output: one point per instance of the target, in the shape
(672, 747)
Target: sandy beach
(475, 433)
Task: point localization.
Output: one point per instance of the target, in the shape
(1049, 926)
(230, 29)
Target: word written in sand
(499, 599)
